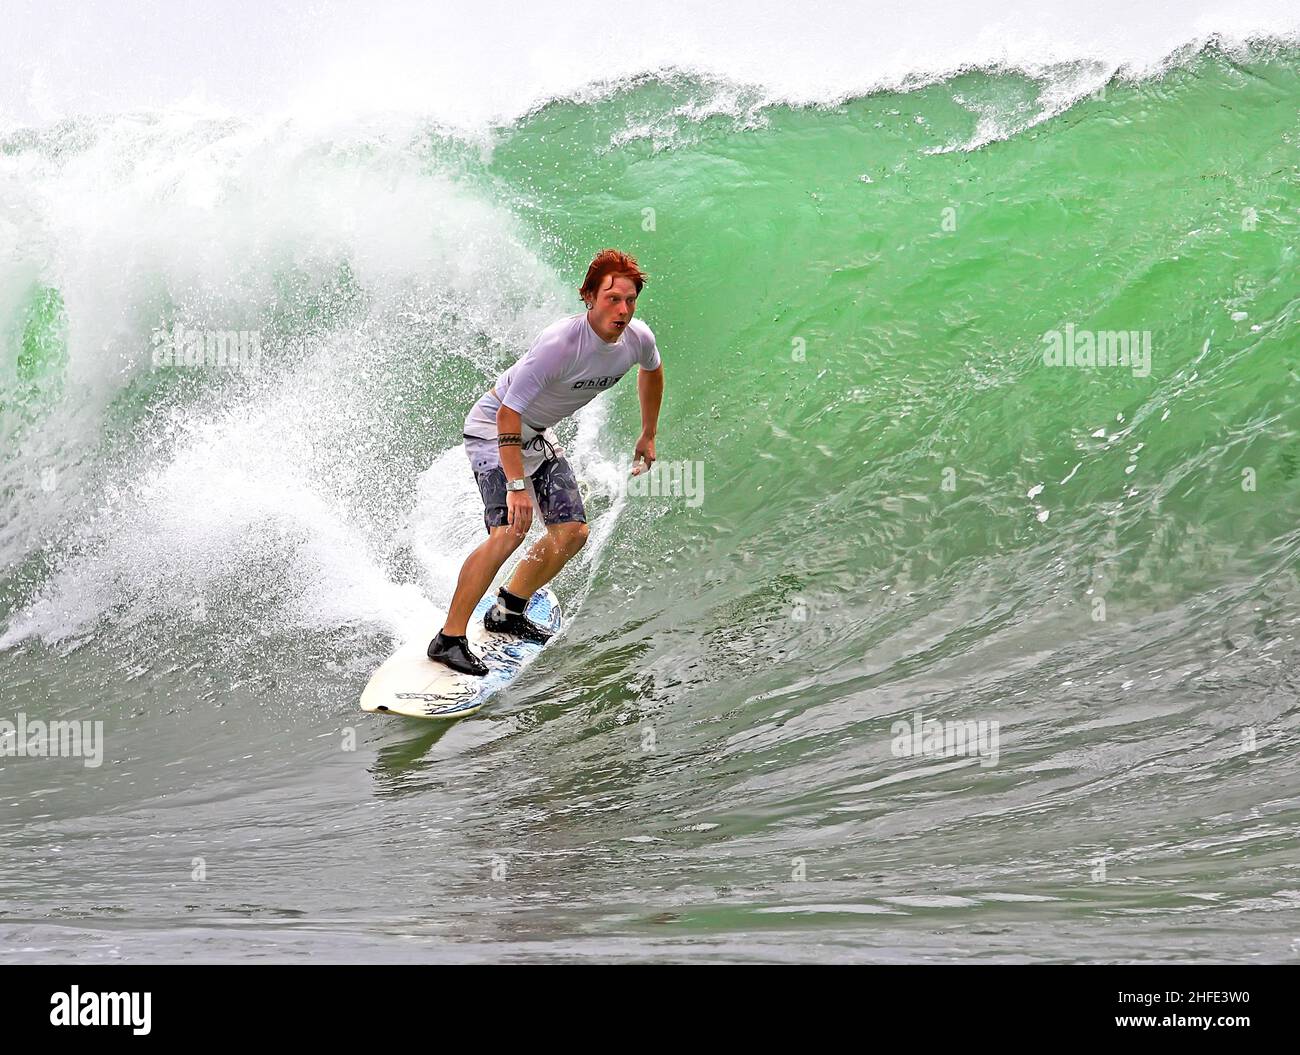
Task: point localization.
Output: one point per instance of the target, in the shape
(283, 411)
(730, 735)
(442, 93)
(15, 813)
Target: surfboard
(411, 684)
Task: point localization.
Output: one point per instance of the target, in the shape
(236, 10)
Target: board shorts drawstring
(540, 442)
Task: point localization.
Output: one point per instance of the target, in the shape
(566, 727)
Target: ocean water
(887, 495)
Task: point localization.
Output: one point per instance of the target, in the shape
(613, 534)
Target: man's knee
(505, 539)
(573, 536)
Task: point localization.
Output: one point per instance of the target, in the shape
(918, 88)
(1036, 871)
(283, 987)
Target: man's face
(613, 307)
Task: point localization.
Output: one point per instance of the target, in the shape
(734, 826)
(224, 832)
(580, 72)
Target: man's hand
(519, 511)
(644, 455)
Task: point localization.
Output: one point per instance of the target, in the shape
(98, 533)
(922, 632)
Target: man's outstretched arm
(650, 390)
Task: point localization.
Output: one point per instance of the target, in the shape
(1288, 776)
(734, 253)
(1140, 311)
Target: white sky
(469, 61)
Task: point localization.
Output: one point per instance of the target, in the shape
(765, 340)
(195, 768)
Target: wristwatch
(515, 485)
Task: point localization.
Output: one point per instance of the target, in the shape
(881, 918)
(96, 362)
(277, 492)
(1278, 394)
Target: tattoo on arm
(509, 439)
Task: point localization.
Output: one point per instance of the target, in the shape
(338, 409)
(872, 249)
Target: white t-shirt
(565, 369)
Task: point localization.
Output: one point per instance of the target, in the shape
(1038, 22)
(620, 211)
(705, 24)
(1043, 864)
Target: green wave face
(860, 318)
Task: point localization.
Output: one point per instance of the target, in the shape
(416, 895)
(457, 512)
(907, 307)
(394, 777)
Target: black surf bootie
(507, 617)
(455, 653)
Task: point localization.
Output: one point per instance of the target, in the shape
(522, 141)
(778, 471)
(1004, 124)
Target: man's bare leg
(476, 575)
(547, 556)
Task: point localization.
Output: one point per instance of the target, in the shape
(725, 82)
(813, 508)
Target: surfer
(513, 453)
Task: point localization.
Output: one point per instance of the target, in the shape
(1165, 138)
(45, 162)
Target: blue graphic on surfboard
(411, 684)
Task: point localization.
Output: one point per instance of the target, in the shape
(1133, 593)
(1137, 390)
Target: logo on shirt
(596, 382)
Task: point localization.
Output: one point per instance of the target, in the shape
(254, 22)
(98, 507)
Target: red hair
(610, 262)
